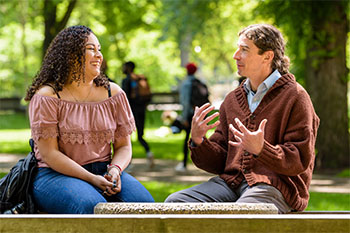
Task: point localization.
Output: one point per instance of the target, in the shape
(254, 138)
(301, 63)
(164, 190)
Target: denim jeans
(56, 193)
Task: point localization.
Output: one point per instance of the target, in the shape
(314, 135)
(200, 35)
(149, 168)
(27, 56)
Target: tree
(52, 26)
(318, 36)
(183, 20)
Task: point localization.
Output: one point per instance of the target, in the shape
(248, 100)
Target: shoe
(180, 167)
(150, 158)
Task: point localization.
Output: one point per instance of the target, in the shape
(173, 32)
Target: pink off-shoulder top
(84, 130)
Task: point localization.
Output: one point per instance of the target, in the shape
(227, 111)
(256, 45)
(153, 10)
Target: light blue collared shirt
(254, 99)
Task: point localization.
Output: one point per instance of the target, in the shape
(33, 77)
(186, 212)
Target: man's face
(249, 62)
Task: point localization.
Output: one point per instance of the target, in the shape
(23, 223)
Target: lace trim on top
(45, 133)
(97, 137)
(126, 129)
(87, 137)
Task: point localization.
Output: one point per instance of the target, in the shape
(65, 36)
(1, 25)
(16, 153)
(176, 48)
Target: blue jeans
(56, 193)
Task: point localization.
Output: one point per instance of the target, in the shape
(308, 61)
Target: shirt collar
(268, 82)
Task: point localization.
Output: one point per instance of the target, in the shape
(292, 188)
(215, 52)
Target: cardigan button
(246, 153)
(245, 171)
(252, 117)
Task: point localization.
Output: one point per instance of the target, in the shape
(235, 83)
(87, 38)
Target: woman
(75, 114)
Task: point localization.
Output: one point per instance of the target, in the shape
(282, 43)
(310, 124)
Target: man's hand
(252, 142)
(200, 124)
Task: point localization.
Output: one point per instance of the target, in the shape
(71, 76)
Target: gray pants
(216, 190)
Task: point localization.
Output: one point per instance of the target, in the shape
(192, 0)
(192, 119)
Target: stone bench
(174, 223)
(185, 208)
(180, 217)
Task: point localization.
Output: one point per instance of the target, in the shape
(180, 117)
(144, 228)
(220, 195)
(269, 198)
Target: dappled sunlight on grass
(329, 201)
(166, 147)
(161, 190)
(11, 120)
(15, 141)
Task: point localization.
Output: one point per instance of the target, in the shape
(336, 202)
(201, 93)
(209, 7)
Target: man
(187, 111)
(138, 106)
(263, 146)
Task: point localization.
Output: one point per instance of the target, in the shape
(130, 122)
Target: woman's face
(93, 57)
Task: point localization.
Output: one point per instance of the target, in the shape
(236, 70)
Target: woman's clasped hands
(109, 183)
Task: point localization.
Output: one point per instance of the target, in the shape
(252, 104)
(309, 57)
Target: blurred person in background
(132, 85)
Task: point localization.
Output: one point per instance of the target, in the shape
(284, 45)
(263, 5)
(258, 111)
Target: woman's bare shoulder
(115, 88)
(46, 91)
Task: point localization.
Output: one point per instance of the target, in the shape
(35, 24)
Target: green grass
(345, 173)
(329, 202)
(12, 120)
(14, 141)
(161, 190)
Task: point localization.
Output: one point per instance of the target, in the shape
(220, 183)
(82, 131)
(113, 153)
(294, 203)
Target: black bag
(16, 186)
(199, 93)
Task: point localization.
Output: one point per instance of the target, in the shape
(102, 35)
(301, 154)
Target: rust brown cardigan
(287, 159)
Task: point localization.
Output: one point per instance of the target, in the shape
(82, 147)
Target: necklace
(76, 98)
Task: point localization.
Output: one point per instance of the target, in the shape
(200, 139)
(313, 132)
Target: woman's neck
(80, 91)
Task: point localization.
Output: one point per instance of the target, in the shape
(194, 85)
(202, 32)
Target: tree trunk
(52, 26)
(23, 20)
(326, 81)
(185, 47)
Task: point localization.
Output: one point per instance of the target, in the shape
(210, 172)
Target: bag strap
(50, 85)
(109, 91)
(31, 143)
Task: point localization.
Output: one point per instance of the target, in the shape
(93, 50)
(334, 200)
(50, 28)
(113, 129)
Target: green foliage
(147, 32)
(301, 29)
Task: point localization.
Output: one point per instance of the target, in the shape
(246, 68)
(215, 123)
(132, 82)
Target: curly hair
(268, 38)
(65, 58)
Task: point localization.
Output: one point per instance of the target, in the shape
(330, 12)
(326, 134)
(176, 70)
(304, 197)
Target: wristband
(109, 166)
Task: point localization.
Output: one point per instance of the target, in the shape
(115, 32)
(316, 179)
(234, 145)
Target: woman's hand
(113, 176)
(101, 182)
(200, 124)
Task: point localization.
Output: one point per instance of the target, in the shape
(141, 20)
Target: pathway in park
(164, 171)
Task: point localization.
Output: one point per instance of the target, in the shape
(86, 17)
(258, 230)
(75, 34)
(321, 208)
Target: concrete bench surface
(176, 223)
(185, 208)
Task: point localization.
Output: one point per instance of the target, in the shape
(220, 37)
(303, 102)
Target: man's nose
(236, 55)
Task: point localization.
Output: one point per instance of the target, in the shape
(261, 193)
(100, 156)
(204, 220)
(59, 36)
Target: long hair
(64, 58)
(268, 38)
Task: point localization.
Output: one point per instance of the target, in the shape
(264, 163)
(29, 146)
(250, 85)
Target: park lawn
(15, 133)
